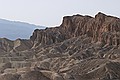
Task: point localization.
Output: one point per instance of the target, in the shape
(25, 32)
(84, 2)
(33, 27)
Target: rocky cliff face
(102, 28)
(81, 48)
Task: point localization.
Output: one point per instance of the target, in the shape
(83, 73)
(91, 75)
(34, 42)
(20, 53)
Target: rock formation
(81, 48)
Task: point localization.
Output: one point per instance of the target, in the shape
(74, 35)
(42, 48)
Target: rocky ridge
(81, 48)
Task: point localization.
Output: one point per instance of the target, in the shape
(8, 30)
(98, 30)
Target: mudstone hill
(81, 48)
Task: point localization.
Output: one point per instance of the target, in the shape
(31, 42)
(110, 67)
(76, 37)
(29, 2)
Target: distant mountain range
(15, 29)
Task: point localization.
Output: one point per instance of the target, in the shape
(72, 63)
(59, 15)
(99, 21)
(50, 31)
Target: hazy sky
(50, 12)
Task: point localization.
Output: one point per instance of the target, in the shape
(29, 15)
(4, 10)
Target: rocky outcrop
(102, 28)
(21, 45)
(5, 45)
(17, 45)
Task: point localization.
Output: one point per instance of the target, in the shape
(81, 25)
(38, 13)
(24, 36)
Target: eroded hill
(81, 48)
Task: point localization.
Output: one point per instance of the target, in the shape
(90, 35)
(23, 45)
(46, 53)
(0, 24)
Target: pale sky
(50, 12)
